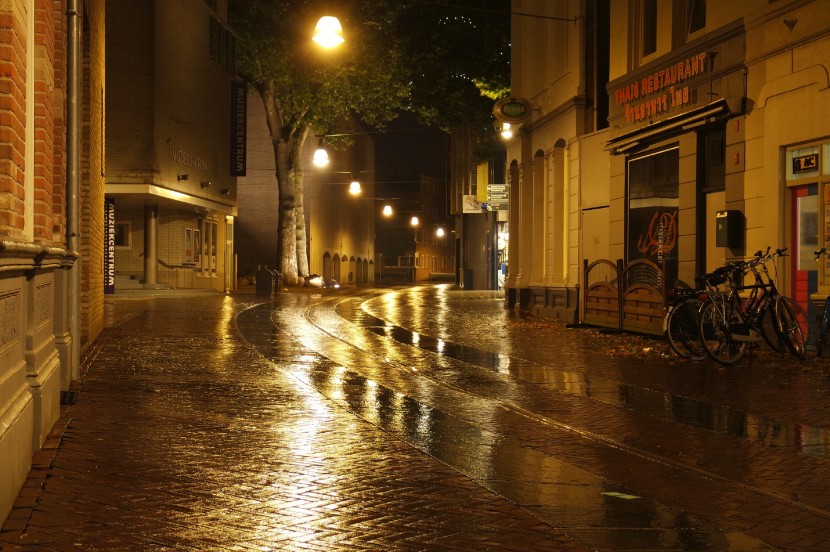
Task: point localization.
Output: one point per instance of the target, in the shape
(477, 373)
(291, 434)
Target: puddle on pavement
(812, 441)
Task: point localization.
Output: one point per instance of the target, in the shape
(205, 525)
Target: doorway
(805, 241)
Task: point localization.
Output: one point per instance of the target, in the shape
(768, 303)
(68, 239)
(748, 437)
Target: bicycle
(824, 320)
(728, 324)
(680, 323)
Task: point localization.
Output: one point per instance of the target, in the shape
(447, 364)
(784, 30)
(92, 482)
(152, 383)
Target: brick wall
(130, 100)
(59, 123)
(12, 117)
(92, 171)
(44, 120)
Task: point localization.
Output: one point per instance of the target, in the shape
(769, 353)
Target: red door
(805, 233)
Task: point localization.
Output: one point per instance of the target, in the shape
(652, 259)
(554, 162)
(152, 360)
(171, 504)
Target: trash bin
(264, 281)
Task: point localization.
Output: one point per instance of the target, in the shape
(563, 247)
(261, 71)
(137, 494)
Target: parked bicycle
(680, 324)
(728, 323)
(824, 319)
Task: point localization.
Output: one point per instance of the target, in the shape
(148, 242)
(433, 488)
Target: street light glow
(354, 188)
(387, 210)
(414, 221)
(328, 33)
(321, 157)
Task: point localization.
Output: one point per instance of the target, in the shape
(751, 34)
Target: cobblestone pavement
(419, 419)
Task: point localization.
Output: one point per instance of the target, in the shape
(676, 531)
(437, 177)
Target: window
(222, 45)
(653, 201)
(696, 16)
(648, 34)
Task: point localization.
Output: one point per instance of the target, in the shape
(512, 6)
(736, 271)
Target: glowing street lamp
(414, 221)
(439, 232)
(321, 156)
(328, 33)
(354, 188)
(387, 210)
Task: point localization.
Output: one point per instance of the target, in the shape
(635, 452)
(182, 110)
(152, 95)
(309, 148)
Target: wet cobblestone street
(418, 419)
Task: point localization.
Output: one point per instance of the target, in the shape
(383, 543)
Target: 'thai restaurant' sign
(660, 92)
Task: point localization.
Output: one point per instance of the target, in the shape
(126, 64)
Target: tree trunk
(287, 228)
(302, 242)
(287, 141)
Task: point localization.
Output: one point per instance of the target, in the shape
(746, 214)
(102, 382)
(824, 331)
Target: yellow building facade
(712, 143)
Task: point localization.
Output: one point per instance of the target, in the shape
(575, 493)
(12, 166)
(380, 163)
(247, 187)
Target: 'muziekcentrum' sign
(660, 92)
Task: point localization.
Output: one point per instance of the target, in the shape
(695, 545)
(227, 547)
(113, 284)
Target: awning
(715, 111)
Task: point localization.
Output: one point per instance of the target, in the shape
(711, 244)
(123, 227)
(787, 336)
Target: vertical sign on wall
(109, 245)
(239, 114)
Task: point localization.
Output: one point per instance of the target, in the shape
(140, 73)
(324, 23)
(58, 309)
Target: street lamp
(328, 33)
(321, 156)
(354, 187)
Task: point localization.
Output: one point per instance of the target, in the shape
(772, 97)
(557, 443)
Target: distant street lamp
(414, 221)
(354, 187)
(439, 232)
(387, 210)
(328, 33)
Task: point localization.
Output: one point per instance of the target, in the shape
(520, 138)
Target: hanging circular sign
(512, 110)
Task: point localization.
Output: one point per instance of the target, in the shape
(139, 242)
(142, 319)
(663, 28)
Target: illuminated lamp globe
(328, 33)
(321, 158)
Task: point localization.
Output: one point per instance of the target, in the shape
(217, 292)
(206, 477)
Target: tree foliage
(458, 58)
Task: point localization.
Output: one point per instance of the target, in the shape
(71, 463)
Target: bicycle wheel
(793, 325)
(713, 327)
(682, 329)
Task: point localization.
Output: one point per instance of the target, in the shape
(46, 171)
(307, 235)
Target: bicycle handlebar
(724, 273)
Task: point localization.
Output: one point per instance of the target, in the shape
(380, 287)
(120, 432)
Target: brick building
(51, 300)
(170, 183)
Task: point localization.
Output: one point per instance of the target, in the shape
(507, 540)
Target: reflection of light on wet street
(533, 432)
(736, 422)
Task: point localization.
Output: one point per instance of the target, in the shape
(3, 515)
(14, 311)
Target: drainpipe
(73, 177)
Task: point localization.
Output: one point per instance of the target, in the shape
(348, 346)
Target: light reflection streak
(305, 434)
(227, 313)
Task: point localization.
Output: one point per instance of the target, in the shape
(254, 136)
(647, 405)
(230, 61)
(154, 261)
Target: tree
(302, 90)
(398, 55)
